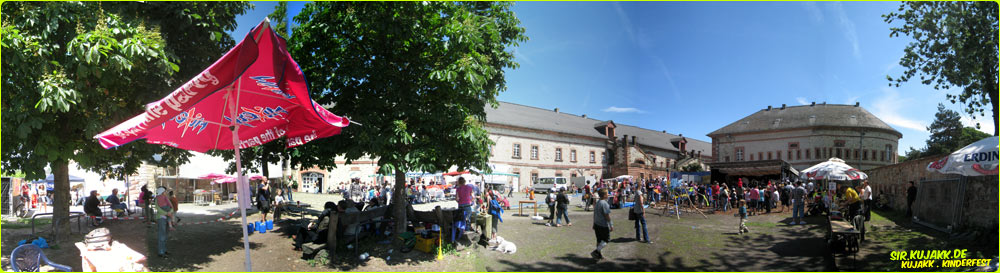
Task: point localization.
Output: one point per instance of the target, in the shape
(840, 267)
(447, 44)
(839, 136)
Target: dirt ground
(691, 243)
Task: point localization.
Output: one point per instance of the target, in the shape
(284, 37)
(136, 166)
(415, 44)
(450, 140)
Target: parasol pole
(242, 193)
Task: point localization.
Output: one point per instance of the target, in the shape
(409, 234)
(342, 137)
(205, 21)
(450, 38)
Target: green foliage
(947, 135)
(74, 69)
(417, 75)
(692, 167)
(955, 46)
(279, 18)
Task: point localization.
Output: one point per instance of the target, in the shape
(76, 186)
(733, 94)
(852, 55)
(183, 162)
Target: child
(164, 204)
(743, 217)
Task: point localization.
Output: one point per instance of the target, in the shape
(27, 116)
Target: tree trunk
(399, 204)
(991, 89)
(61, 199)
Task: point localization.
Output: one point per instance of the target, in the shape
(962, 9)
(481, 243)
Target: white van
(546, 184)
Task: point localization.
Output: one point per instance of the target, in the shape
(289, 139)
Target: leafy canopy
(416, 75)
(955, 45)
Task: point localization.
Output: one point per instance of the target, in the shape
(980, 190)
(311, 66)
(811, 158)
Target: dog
(505, 246)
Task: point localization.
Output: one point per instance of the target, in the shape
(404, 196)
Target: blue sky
(693, 67)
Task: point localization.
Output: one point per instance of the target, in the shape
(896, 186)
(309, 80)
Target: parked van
(546, 184)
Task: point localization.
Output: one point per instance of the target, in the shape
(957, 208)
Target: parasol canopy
(252, 95)
(979, 158)
(833, 169)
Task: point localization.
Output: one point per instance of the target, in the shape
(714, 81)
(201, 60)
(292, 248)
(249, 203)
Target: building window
(760, 155)
(883, 155)
(789, 157)
(534, 152)
(888, 150)
(593, 159)
(839, 143)
(798, 154)
(769, 157)
(857, 153)
(818, 154)
(604, 158)
(558, 154)
(558, 174)
(572, 155)
(793, 145)
(751, 157)
(838, 153)
(847, 153)
(727, 158)
(807, 153)
(864, 155)
(778, 154)
(516, 154)
(534, 178)
(739, 153)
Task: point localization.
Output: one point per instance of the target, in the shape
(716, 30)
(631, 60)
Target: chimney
(633, 140)
(557, 110)
(813, 104)
(625, 139)
(857, 103)
(782, 106)
(584, 115)
(768, 108)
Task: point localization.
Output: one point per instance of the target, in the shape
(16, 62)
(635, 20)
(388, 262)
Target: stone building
(806, 135)
(537, 143)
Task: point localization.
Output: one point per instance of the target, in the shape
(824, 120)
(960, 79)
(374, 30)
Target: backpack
(548, 199)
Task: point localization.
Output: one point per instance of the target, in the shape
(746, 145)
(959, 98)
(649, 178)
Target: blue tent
(50, 181)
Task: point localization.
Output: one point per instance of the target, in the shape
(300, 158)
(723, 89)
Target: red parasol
(252, 95)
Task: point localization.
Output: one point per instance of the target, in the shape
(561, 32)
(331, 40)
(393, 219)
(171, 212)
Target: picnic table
(298, 208)
(520, 205)
(120, 258)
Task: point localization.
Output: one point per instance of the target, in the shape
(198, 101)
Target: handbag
(631, 215)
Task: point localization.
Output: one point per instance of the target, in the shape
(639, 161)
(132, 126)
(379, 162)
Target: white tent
(976, 159)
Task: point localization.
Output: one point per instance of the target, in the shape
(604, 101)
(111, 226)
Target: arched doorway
(312, 182)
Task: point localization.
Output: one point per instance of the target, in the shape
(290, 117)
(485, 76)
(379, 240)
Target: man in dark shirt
(91, 207)
(911, 195)
(316, 232)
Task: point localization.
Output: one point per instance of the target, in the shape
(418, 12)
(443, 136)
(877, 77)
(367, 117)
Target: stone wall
(936, 192)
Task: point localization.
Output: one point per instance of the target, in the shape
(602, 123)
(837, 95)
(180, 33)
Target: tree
(72, 70)
(417, 76)
(945, 131)
(947, 135)
(955, 45)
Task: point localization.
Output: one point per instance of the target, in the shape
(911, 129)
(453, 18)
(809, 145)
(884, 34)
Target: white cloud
(614, 109)
(887, 108)
(520, 55)
(670, 78)
(802, 100)
(850, 31)
(813, 10)
(985, 123)
(626, 23)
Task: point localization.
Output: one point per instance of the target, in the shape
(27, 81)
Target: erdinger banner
(256, 86)
(979, 158)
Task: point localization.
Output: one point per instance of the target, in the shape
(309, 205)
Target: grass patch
(26, 223)
(762, 224)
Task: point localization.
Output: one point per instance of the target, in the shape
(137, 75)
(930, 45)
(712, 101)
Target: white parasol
(833, 169)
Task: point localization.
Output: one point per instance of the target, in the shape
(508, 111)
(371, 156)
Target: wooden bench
(520, 205)
(341, 221)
